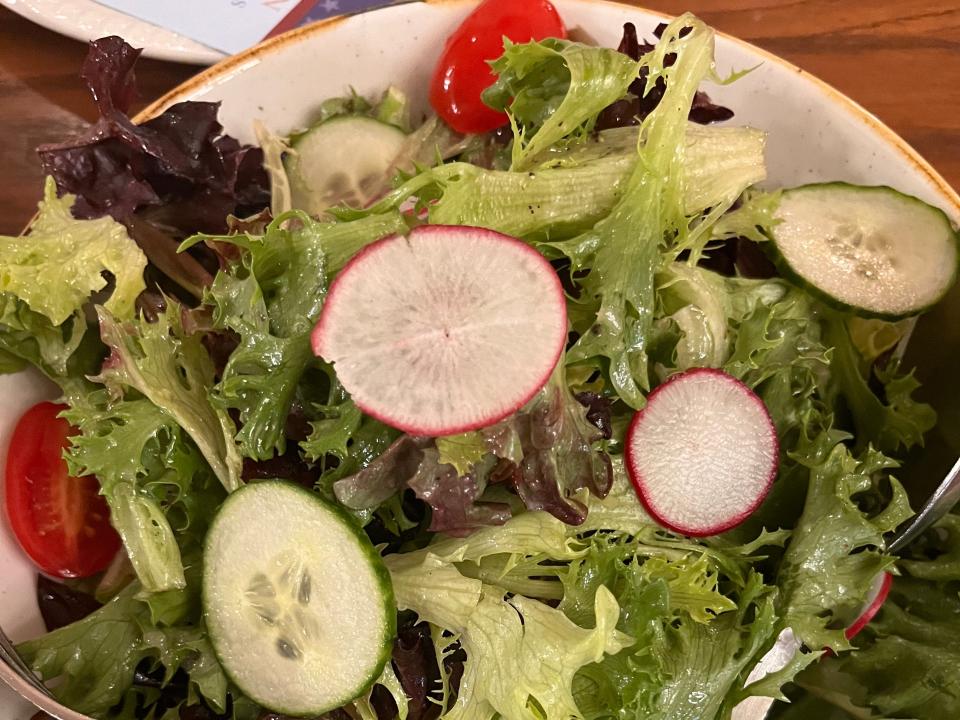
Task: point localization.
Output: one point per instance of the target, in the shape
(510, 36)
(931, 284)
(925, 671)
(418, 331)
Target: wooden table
(898, 58)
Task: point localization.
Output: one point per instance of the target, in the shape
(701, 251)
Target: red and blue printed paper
(234, 25)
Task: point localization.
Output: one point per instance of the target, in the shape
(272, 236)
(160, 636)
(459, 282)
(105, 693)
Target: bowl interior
(814, 134)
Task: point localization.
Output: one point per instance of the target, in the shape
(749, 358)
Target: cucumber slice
(344, 159)
(298, 603)
(871, 250)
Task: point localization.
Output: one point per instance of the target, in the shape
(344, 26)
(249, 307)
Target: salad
(540, 407)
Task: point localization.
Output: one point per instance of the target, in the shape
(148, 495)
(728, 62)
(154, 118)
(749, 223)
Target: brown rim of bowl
(229, 66)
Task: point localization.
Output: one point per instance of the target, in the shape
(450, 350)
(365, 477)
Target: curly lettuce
(71, 256)
(548, 453)
(554, 88)
(160, 490)
(522, 654)
(623, 250)
(173, 371)
(46, 279)
(270, 294)
(95, 660)
(906, 658)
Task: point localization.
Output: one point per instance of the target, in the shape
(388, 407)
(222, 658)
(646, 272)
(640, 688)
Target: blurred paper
(234, 25)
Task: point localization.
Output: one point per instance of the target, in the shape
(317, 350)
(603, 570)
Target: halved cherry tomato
(462, 72)
(61, 522)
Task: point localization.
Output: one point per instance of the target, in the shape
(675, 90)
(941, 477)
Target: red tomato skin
(61, 522)
(462, 72)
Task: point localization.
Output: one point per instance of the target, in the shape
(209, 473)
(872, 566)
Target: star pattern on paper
(330, 5)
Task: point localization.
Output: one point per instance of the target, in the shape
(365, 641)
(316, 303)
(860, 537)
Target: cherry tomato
(61, 522)
(462, 72)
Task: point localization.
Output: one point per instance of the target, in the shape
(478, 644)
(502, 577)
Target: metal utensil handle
(940, 503)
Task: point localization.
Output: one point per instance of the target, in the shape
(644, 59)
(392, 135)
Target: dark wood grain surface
(898, 58)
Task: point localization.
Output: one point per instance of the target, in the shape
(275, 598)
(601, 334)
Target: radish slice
(878, 594)
(703, 452)
(445, 330)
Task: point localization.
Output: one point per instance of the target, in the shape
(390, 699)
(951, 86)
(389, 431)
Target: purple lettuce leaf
(455, 499)
(165, 179)
(632, 109)
(412, 462)
(384, 477)
(546, 453)
(559, 458)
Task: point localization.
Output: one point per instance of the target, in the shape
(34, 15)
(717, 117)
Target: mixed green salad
(293, 546)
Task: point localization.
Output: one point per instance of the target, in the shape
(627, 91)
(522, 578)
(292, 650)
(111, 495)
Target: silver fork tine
(939, 504)
(9, 654)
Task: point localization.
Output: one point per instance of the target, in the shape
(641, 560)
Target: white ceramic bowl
(815, 133)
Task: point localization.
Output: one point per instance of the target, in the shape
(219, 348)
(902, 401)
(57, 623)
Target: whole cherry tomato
(61, 522)
(462, 72)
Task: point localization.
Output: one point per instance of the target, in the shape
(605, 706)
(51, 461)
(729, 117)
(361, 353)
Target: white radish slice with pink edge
(445, 330)
(703, 452)
(875, 599)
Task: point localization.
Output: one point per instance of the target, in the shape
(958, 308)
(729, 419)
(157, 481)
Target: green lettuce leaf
(344, 441)
(61, 262)
(188, 649)
(274, 147)
(777, 328)
(94, 659)
(622, 251)
(160, 490)
(699, 302)
(718, 164)
(620, 511)
(271, 296)
(10, 363)
(891, 423)
(834, 552)
(568, 191)
(873, 337)
(906, 660)
(700, 618)
(522, 654)
(462, 451)
(543, 648)
(778, 350)
(66, 354)
(554, 88)
(174, 372)
(704, 661)
(48, 276)
(753, 219)
(389, 681)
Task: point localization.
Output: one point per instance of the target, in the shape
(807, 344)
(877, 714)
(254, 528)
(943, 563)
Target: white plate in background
(87, 20)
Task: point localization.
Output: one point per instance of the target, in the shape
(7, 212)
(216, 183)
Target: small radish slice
(878, 595)
(445, 330)
(703, 452)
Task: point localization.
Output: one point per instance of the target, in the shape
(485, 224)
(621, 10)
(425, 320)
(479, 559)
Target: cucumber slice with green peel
(297, 601)
(344, 159)
(872, 250)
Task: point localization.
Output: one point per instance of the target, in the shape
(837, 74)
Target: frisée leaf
(173, 371)
(70, 256)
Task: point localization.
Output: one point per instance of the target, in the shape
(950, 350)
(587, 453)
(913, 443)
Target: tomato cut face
(60, 521)
(462, 72)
